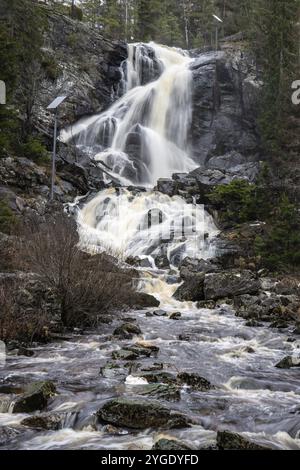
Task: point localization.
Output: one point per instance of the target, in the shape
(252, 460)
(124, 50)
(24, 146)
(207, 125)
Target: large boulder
(36, 397)
(48, 422)
(229, 284)
(127, 331)
(288, 362)
(192, 266)
(140, 414)
(143, 300)
(191, 290)
(227, 440)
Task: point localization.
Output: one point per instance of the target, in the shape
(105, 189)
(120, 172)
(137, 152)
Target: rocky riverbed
(173, 378)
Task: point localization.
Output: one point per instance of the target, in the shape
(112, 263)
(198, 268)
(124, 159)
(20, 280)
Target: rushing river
(250, 395)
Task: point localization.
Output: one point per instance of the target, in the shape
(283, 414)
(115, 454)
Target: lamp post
(217, 29)
(54, 108)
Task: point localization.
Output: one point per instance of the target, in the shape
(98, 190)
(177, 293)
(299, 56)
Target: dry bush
(18, 323)
(86, 287)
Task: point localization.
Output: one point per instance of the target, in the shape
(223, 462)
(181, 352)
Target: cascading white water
(143, 137)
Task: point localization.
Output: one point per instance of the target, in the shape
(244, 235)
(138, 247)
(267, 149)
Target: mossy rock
(48, 422)
(140, 414)
(36, 397)
(165, 443)
(227, 440)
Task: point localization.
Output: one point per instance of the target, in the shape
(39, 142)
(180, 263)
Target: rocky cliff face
(224, 114)
(83, 65)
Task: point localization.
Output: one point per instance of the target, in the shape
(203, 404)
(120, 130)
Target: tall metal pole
(53, 156)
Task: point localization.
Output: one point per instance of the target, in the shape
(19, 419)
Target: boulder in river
(160, 313)
(227, 440)
(36, 397)
(143, 300)
(194, 380)
(124, 355)
(175, 316)
(288, 362)
(159, 377)
(230, 284)
(140, 414)
(48, 422)
(127, 331)
(168, 443)
(191, 290)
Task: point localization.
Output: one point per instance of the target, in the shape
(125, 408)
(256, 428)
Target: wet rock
(149, 314)
(191, 289)
(147, 345)
(140, 262)
(296, 331)
(124, 355)
(175, 316)
(36, 397)
(166, 186)
(227, 440)
(191, 266)
(48, 422)
(288, 362)
(159, 377)
(111, 369)
(140, 414)
(160, 313)
(22, 351)
(168, 443)
(140, 351)
(160, 391)
(143, 300)
(229, 284)
(209, 304)
(280, 324)
(162, 262)
(267, 307)
(195, 381)
(127, 331)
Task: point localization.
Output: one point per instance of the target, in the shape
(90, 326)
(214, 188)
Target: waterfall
(142, 137)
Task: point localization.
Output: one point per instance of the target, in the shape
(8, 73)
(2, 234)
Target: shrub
(51, 68)
(280, 247)
(238, 201)
(86, 287)
(18, 323)
(34, 150)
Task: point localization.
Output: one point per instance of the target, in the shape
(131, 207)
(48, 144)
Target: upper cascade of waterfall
(143, 136)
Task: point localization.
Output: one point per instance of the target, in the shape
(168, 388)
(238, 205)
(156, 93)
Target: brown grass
(86, 287)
